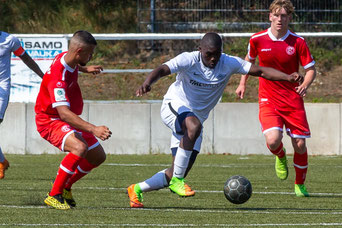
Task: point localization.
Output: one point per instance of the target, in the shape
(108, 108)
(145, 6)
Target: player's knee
(102, 158)
(273, 143)
(194, 129)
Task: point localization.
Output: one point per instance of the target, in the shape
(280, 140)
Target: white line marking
(199, 191)
(204, 165)
(176, 225)
(230, 210)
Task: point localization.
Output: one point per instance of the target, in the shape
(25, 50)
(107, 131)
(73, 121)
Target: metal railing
(233, 15)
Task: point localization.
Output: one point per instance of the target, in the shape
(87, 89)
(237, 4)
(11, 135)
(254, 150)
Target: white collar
(70, 69)
(274, 38)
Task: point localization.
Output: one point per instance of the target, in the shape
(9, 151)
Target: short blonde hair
(276, 5)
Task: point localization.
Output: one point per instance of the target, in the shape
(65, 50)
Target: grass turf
(102, 201)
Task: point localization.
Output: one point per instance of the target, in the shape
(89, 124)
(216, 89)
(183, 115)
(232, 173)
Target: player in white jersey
(9, 44)
(201, 79)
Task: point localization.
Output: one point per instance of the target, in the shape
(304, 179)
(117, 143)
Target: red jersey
(283, 54)
(59, 87)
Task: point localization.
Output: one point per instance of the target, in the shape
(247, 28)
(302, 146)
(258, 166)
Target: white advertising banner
(25, 83)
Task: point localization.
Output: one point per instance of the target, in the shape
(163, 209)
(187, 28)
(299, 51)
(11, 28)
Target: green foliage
(67, 16)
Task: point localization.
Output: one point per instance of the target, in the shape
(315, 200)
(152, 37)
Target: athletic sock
(279, 151)
(83, 169)
(300, 163)
(181, 162)
(2, 157)
(157, 181)
(65, 171)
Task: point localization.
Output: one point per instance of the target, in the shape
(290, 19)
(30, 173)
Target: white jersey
(8, 44)
(198, 87)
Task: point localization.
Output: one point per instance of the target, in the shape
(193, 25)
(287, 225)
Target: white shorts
(5, 87)
(169, 113)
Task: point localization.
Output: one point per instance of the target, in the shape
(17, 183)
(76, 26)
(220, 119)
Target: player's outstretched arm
(93, 69)
(74, 120)
(152, 77)
(240, 90)
(31, 64)
(273, 74)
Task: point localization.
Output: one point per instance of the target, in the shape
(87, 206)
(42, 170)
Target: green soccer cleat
(57, 202)
(301, 191)
(68, 197)
(178, 186)
(281, 168)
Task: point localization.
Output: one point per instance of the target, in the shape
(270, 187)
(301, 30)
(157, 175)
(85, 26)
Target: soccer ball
(237, 189)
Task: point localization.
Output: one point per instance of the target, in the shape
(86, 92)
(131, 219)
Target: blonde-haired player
(281, 103)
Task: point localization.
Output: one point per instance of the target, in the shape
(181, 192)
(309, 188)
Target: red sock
(82, 169)
(300, 163)
(65, 171)
(279, 151)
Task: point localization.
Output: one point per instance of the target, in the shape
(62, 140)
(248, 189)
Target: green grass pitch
(102, 200)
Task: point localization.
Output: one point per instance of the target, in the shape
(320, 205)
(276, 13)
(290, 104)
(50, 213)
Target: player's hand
(301, 90)
(144, 88)
(296, 77)
(102, 132)
(94, 69)
(240, 91)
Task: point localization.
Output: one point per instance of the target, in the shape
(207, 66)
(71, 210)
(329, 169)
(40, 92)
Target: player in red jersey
(58, 106)
(281, 103)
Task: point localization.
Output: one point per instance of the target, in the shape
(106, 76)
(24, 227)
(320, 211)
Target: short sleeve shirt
(284, 54)
(59, 87)
(198, 87)
(8, 44)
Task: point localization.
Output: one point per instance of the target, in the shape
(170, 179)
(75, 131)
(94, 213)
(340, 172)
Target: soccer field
(102, 200)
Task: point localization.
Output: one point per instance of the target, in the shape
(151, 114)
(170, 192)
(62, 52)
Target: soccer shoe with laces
(178, 186)
(301, 191)
(3, 166)
(57, 202)
(67, 195)
(135, 196)
(281, 168)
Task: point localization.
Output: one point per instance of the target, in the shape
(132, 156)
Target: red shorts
(56, 131)
(295, 121)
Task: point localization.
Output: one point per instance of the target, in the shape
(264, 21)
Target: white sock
(156, 182)
(2, 157)
(181, 162)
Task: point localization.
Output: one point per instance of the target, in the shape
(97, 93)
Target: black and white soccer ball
(237, 189)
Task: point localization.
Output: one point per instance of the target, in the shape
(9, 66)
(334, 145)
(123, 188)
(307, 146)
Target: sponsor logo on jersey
(290, 50)
(59, 94)
(199, 84)
(266, 49)
(65, 128)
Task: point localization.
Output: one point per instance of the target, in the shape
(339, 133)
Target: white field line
(175, 225)
(204, 165)
(199, 191)
(286, 212)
